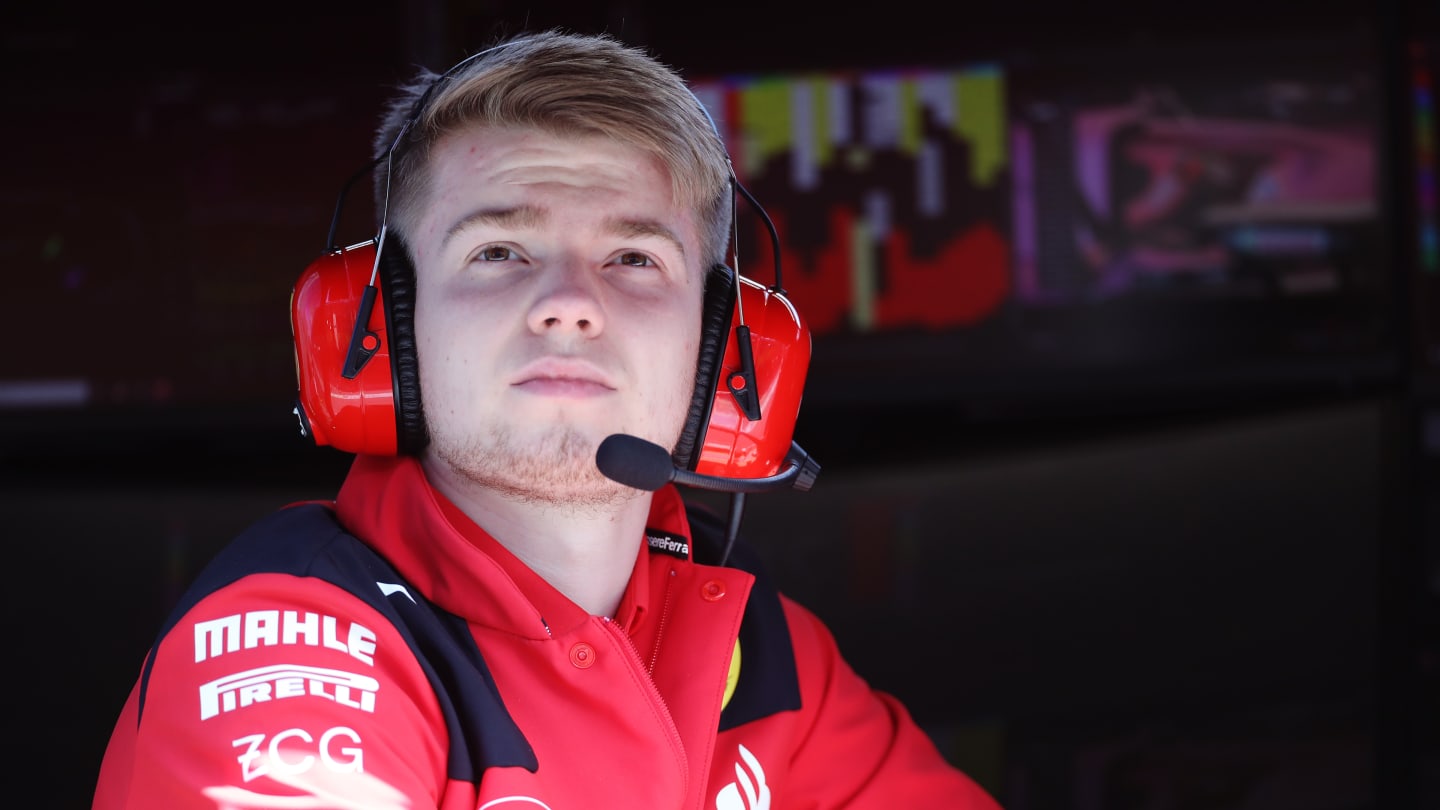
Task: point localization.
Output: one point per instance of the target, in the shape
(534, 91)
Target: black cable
(330, 246)
(732, 526)
(779, 287)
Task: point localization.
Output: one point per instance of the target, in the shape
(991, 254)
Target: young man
(478, 620)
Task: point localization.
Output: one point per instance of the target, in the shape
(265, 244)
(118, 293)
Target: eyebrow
(526, 217)
(530, 217)
(631, 228)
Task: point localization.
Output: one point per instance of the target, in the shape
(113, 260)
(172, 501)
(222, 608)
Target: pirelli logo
(284, 681)
(667, 543)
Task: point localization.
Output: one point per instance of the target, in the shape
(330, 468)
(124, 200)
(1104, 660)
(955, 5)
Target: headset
(352, 319)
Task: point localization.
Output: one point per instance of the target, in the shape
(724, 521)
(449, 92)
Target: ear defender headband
(352, 319)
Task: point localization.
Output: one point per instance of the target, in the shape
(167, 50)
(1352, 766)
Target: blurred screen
(1076, 225)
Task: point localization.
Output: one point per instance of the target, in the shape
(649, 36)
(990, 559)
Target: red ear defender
(734, 445)
(346, 383)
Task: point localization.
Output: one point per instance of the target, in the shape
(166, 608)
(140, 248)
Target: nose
(569, 303)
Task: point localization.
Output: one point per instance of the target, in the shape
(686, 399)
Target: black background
(1215, 594)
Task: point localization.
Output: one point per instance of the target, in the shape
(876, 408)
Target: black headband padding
(398, 276)
(715, 318)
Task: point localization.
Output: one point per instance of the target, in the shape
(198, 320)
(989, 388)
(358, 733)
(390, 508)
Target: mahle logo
(269, 628)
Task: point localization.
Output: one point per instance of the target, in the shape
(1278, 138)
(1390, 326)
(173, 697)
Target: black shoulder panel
(306, 541)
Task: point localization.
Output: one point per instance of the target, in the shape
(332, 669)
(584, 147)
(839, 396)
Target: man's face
(558, 297)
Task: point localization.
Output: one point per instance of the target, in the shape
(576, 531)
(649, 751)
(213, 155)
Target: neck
(585, 552)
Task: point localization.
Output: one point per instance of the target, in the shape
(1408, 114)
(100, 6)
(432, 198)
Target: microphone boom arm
(800, 475)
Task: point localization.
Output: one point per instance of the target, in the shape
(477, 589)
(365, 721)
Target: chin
(556, 468)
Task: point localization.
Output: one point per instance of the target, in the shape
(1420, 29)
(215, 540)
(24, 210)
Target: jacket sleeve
(862, 749)
(278, 691)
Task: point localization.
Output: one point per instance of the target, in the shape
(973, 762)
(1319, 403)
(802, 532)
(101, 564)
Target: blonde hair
(564, 84)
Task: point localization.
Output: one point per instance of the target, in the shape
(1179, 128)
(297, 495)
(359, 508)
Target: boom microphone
(635, 462)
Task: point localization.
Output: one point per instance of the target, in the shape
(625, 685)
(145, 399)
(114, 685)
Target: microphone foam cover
(634, 462)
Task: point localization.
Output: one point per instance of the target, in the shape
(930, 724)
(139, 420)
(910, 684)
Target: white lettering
(254, 693)
(361, 643)
(331, 640)
(262, 627)
(269, 628)
(284, 756)
(252, 753)
(355, 762)
(282, 681)
(289, 687)
(668, 544)
(217, 636)
(294, 628)
(300, 766)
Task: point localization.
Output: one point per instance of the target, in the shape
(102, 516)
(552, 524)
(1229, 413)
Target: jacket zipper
(660, 628)
(669, 721)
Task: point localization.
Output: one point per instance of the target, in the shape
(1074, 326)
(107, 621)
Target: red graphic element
(961, 285)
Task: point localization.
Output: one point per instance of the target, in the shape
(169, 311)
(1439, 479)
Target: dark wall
(1203, 602)
(1090, 622)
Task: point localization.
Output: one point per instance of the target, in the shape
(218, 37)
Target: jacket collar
(388, 502)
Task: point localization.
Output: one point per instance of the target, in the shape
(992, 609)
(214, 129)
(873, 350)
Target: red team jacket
(427, 667)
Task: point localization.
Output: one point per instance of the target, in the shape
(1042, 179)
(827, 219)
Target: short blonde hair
(564, 84)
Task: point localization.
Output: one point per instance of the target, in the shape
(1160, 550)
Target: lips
(562, 376)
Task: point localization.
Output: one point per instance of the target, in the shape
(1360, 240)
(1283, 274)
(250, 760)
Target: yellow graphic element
(980, 119)
(863, 275)
(764, 121)
(820, 113)
(910, 116)
(733, 676)
(768, 113)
